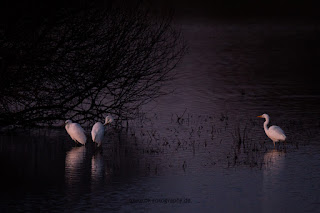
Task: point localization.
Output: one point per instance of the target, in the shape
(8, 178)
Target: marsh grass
(185, 140)
(244, 149)
(215, 138)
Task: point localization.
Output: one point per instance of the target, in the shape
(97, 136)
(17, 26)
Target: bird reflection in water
(97, 166)
(274, 161)
(81, 161)
(74, 164)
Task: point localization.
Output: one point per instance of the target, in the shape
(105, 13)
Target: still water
(199, 148)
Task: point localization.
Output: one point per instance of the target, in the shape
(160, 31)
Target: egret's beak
(260, 116)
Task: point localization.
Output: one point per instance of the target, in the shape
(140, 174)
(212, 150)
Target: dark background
(32, 13)
(222, 8)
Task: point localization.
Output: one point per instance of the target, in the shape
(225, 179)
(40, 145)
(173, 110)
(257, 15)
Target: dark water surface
(199, 149)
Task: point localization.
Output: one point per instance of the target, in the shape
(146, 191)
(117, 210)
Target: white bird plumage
(275, 133)
(97, 131)
(76, 132)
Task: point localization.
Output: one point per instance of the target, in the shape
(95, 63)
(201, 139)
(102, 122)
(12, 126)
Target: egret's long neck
(265, 124)
(67, 126)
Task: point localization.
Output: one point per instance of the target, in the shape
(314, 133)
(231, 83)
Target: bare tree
(85, 64)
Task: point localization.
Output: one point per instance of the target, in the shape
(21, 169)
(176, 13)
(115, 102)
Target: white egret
(275, 133)
(97, 132)
(76, 132)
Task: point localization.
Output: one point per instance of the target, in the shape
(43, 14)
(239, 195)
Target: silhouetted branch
(86, 64)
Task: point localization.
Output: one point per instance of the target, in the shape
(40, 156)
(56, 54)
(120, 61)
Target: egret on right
(97, 132)
(275, 133)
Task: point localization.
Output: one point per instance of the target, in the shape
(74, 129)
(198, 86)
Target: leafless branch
(87, 64)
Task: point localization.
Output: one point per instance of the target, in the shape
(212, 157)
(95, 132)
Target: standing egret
(275, 133)
(76, 132)
(97, 132)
